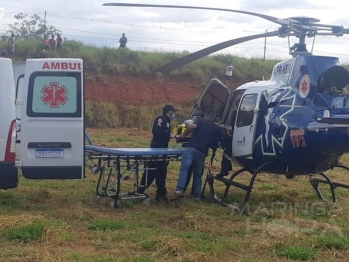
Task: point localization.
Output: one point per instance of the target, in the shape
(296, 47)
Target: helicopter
(296, 123)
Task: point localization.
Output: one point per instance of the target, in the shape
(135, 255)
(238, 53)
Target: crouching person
(204, 132)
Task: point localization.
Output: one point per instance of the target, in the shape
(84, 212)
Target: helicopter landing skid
(230, 182)
(333, 185)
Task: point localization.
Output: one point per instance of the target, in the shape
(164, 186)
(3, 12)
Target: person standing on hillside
(158, 170)
(45, 43)
(11, 43)
(228, 73)
(205, 134)
(59, 42)
(52, 42)
(123, 40)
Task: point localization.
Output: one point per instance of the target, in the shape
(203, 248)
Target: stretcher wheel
(112, 203)
(95, 170)
(146, 201)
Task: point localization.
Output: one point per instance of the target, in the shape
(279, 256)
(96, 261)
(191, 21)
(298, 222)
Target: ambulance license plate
(49, 153)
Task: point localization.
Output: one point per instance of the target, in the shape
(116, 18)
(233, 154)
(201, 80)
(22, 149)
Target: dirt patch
(138, 89)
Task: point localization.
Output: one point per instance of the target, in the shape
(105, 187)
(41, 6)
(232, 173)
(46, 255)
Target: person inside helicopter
(226, 143)
(329, 93)
(332, 89)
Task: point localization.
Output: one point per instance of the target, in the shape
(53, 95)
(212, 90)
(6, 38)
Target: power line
(128, 24)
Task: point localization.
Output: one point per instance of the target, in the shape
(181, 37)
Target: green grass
(106, 225)
(298, 252)
(335, 242)
(31, 232)
(62, 221)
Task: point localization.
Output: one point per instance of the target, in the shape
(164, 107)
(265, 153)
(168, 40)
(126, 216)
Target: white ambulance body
(50, 119)
(42, 120)
(18, 75)
(8, 171)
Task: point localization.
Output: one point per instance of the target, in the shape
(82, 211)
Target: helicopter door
(245, 124)
(215, 95)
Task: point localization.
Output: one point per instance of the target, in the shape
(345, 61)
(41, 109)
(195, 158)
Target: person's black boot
(161, 198)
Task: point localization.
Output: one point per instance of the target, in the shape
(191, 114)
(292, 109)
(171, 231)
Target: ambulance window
(54, 94)
(246, 114)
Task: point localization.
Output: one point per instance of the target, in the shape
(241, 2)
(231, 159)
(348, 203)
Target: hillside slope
(141, 89)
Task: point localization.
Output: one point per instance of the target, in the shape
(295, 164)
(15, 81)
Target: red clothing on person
(52, 43)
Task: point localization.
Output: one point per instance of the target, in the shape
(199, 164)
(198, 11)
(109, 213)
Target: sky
(159, 29)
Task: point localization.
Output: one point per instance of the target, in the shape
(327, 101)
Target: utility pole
(265, 45)
(44, 25)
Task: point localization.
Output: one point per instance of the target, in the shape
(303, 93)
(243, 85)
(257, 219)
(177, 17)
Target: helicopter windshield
(321, 64)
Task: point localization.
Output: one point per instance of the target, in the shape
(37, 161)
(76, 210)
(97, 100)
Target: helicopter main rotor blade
(267, 17)
(209, 50)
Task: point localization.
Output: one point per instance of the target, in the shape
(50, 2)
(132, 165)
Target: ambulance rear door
(52, 120)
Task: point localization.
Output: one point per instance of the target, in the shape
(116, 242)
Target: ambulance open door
(52, 120)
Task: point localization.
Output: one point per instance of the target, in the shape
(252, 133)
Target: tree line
(31, 27)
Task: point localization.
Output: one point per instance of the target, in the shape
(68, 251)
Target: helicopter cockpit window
(328, 101)
(338, 102)
(246, 114)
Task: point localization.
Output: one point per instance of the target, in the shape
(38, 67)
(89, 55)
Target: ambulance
(45, 119)
(8, 170)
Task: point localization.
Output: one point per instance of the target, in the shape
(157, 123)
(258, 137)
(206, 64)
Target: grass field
(62, 221)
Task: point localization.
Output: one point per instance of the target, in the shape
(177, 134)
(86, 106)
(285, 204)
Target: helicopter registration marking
(304, 86)
(297, 138)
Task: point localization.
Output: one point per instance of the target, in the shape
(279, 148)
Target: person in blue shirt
(204, 133)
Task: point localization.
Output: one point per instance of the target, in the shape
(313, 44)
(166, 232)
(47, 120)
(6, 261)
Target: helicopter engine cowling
(333, 80)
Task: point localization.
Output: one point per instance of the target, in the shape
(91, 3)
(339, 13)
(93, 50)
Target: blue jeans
(194, 157)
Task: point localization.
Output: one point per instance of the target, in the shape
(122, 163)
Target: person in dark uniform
(226, 165)
(161, 136)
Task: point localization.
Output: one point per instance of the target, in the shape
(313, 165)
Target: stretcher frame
(116, 165)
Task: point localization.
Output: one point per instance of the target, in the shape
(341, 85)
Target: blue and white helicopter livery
(296, 123)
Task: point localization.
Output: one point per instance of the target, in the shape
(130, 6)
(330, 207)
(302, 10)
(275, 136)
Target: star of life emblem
(54, 95)
(304, 86)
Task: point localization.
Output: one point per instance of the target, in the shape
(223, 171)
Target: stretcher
(117, 166)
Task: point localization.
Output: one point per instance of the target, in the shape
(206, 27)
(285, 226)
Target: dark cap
(167, 108)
